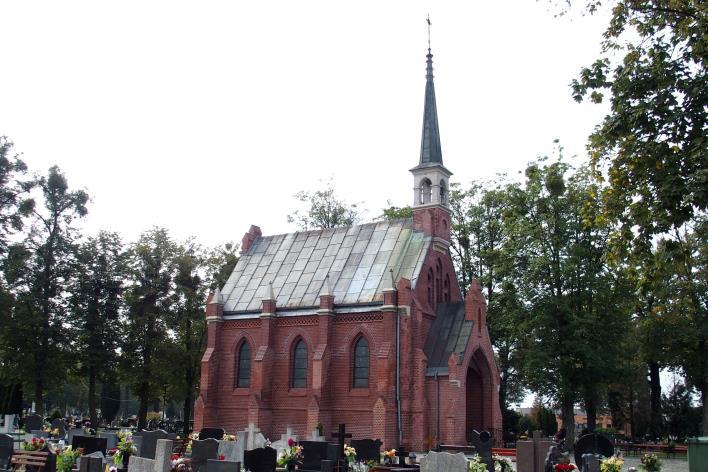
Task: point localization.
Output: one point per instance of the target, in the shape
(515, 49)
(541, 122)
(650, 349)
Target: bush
(56, 414)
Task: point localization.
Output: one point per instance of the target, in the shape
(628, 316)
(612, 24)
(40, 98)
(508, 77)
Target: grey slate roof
(430, 151)
(448, 334)
(357, 259)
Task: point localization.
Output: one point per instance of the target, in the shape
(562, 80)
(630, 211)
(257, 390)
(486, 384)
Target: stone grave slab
(591, 463)
(202, 451)
(111, 439)
(282, 443)
(163, 455)
(214, 465)
(443, 461)
(33, 422)
(149, 444)
(313, 453)
(215, 433)
(73, 432)
(140, 464)
(89, 444)
(6, 448)
(367, 449)
(90, 464)
(230, 451)
(531, 455)
(262, 459)
(593, 443)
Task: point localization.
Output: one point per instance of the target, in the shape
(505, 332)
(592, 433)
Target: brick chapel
(364, 325)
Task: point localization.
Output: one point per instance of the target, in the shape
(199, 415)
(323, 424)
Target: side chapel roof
(357, 259)
(449, 333)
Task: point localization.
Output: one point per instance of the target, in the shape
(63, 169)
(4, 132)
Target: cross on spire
(429, 23)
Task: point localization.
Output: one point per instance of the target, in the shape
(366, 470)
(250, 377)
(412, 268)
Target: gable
(357, 259)
(449, 333)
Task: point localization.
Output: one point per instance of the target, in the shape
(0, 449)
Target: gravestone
(483, 443)
(341, 436)
(33, 422)
(111, 439)
(367, 449)
(74, 432)
(229, 450)
(254, 438)
(215, 433)
(313, 453)
(591, 463)
(282, 443)
(141, 464)
(6, 448)
(327, 466)
(40, 433)
(163, 455)
(214, 465)
(552, 458)
(89, 444)
(90, 464)
(401, 455)
(202, 451)
(315, 436)
(593, 443)
(439, 461)
(149, 444)
(8, 425)
(531, 455)
(138, 443)
(262, 459)
(59, 424)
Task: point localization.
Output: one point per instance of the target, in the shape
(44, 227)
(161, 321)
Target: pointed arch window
(443, 193)
(446, 288)
(438, 281)
(299, 379)
(361, 363)
(243, 366)
(430, 287)
(426, 189)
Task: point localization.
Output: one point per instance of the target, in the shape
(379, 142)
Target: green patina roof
(357, 259)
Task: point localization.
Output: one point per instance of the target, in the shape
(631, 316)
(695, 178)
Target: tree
(651, 149)
(96, 304)
(323, 209)
(394, 213)
(38, 271)
(15, 201)
(681, 416)
(151, 268)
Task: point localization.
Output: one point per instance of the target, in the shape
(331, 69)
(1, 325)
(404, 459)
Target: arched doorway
(478, 395)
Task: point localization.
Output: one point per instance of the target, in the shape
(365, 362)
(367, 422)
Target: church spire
(430, 152)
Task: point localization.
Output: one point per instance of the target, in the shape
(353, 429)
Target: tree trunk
(568, 412)
(590, 411)
(655, 399)
(39, 395)
(92, 396)
(188, 401)
(143, 408)
(704, 397)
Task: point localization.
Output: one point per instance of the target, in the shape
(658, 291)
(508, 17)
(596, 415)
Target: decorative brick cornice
(241, 324)
(358, 318)
(297, 321)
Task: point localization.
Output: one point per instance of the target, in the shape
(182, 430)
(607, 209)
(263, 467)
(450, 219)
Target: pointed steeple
(430, 152)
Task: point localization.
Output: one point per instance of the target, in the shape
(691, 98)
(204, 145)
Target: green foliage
(15, 201)
(546, 420)
(323, 209)
(395, 213)
(527, 424)
(55, 415)
(681, 417)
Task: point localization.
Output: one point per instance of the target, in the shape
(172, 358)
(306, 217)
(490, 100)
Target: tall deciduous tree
(324, 209)
(39, 271)
(151, 268)
(96, 304)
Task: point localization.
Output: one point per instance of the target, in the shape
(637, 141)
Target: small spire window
(443, 193)
(426, 189)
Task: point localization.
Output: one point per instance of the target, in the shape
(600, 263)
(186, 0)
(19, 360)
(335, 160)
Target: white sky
(206, 117)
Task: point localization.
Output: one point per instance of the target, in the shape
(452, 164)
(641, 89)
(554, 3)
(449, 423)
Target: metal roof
(357, 259)
(430, 151)
(448, 334)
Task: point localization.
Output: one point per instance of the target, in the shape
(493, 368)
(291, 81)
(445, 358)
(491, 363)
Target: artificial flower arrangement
(55, 433)
(180, 464)
(476, 464)
(229, 437)
(611, 464)
(126, 448)
(389, 456)
(33, 445)
(66, 458)
(564, 464)
(502, 464)
(651, 462)
(349, 453)
(291, 455)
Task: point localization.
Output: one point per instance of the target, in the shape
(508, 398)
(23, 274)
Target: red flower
(291, 443)
(564, 467)
(41, 440)
(175, 456)
(34, 440)
(222, 457)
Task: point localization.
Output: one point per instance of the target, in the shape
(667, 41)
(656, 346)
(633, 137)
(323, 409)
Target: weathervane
(428, 20)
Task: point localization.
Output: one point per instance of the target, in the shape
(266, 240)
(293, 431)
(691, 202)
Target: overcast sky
(206, 117)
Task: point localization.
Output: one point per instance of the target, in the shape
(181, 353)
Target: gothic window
(446, 289)
(361, 363)
(426, 188)
(430, 287)
(243, 366)
(299, 365)
(438, 282)
(443, 192)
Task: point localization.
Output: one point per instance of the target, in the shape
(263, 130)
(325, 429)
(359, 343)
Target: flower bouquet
(502, 464)
(229, 437)
(125, 449)
(389, 456)
(349, 454)
(66, 458)
(291, 455)
(651, 463)
(564, 467)
(476, 464)
(34, 445)
(612, 464)
(180, 464)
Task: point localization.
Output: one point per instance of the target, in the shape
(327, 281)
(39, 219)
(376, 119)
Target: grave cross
(401, 453)
(341, 436)
(251, 439)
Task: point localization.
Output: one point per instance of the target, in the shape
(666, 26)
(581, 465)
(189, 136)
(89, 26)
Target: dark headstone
(6, 447)
(147, 449)
(593, 443)
(327, 466)
(91, 464)
(89, 444)
(33, 422)
(202, 451)
(313, 453)
(401, 455)
(591, 463)
(59, 424)
(262, 459)
(367, 449)
(214, 465)
(551, 459)
(215, 433)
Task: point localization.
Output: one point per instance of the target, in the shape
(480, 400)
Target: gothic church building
(364, 325)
